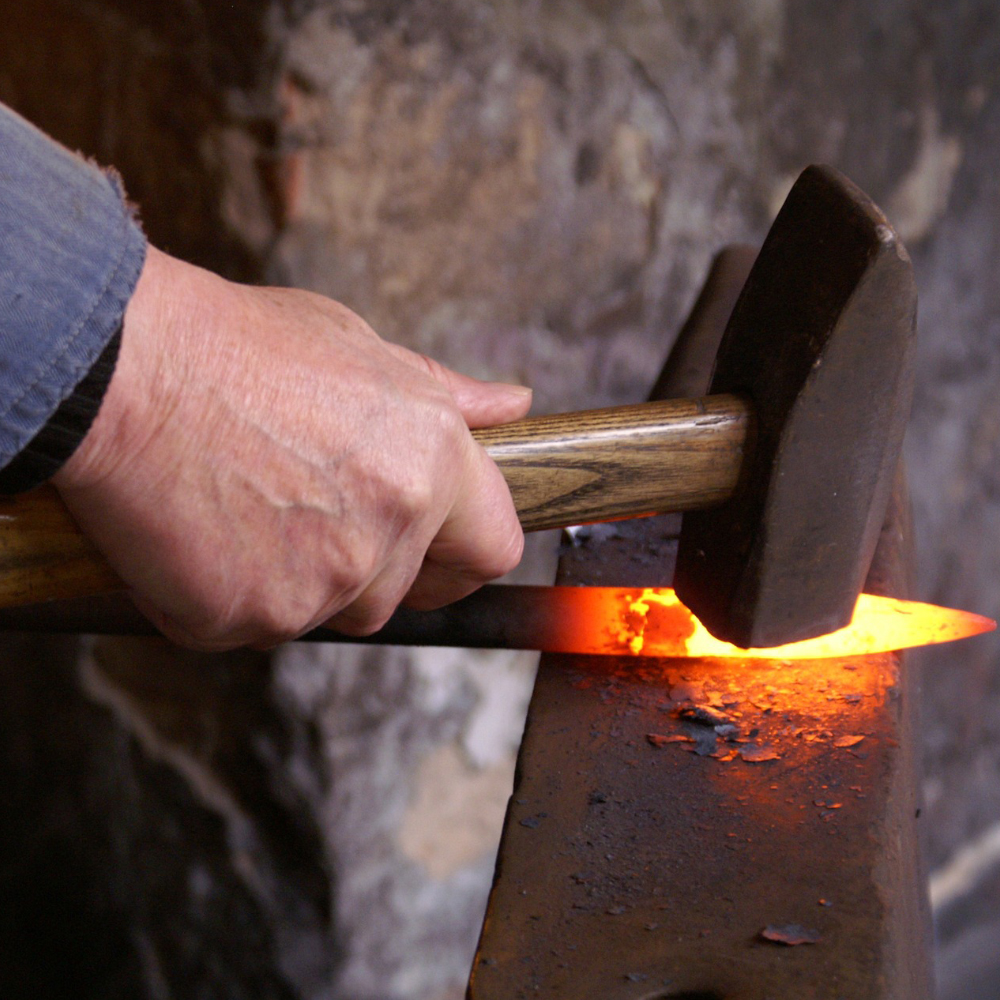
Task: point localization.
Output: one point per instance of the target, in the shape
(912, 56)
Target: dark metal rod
(494, 617)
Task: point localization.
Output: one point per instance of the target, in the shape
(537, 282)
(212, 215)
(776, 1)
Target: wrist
(50, 449)
(103, 444)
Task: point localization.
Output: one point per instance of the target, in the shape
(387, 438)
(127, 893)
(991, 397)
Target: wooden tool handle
(624, 461)
(43, 554)
(592, 466)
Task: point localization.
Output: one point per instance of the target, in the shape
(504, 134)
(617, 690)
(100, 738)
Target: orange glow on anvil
(654, 623)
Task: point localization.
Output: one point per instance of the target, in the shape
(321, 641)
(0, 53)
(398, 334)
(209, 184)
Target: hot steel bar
(593, 621)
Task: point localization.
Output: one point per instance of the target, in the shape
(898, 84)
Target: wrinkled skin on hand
(264, 463)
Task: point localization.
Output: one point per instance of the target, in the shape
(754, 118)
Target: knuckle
(196, 640)
(504, 557)
(353, 571)
(269, 615)
(434, 369)
(414, 495)
(271, 627)
(427, 473)
(362, 621)
(205, 630)
(445, 419)
(202, 636)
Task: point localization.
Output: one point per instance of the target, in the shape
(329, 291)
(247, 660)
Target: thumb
(482, 404)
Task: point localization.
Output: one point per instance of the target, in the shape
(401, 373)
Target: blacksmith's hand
(263, 463)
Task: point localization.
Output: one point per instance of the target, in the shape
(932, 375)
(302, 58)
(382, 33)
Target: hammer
(785, 469)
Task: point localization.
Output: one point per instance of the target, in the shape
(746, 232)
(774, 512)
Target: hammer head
(821, 340)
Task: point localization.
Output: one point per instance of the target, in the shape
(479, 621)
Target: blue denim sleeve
(70, 257)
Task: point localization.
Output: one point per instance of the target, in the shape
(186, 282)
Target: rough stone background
(528, 191)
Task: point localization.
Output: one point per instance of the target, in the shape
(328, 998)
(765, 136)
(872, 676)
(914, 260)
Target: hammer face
(821, 339)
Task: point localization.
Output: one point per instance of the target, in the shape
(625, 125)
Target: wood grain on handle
(565, 469)
(624, 461)
(43, 554)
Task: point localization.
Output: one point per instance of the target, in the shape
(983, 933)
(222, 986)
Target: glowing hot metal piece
(879, 624)
(618, 621)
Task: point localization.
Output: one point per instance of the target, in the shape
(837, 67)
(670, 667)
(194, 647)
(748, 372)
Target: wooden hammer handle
(624, 461)
(43, 554)
(597, 465)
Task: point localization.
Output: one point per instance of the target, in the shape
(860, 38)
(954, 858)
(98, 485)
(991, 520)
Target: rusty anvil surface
(644, 852)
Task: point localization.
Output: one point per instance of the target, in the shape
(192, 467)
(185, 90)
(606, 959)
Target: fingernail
(515, 390)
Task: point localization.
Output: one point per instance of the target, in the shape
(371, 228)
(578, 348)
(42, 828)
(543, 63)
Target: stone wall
(528, 191)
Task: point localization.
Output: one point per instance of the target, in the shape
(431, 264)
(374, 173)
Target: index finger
(480, 539)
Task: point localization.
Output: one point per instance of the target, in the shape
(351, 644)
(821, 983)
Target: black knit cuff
(52, 446)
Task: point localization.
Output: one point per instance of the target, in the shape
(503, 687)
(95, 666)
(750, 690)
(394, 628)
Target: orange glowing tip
(656, 623)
